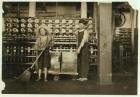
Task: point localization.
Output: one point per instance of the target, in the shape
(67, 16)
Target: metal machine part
(69, 63)
(55, 63)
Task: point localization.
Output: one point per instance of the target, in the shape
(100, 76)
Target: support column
(95, 10)
(134, 39)
(95, 16)
(105, 43)
(133, 26)
(32, 9)
(83, 9)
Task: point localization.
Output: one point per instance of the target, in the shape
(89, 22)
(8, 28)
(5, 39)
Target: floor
(123, 84)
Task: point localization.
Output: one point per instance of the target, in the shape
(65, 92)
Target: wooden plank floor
(122, 85)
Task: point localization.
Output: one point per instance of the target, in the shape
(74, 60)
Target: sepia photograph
(85, 48)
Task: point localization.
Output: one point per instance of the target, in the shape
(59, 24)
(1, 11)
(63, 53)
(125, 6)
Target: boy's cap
(83, 21)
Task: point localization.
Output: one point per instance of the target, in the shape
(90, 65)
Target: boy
(82, 51)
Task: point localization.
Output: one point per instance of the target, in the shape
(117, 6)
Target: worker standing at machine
(43, 43)
(82, 51)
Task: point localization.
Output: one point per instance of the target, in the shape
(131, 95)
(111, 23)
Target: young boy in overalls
(82, 51)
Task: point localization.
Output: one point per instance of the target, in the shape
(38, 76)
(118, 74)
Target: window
(15, 9)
